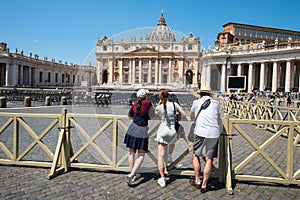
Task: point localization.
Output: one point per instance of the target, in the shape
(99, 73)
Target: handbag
(192, 129)
(177, 125)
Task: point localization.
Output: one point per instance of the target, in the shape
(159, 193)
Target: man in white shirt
(206, 136)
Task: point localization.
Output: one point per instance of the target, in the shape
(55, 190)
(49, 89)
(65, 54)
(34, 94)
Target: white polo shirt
(207, 122)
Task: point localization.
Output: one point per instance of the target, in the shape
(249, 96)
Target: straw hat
(205, 89)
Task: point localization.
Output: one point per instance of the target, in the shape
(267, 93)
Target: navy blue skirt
(136, 137)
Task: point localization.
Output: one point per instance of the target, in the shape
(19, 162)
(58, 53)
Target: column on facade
(250, 77)
(29, 76)
(111, 74)
(52, 80)
(262, 77)
(279, 74)
(45, 77)
(133, 72)
(130, 72)
(208, 74)
(223, 78)
(169, 71)
(71, 78)
(140, 71)
(15, 74)
(36, 77)
(160, 72)
(229, 70)
(298, 77)
(287, 86)
(98, 72)
(60, 78)
(293, 74)
(149, 70)
(203, 75)
(121, 71)
(156, 72)
(21, 75)
(7, 75)
(239, 70)
(274, 78)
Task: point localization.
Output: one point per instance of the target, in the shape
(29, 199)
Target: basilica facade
(157, 60)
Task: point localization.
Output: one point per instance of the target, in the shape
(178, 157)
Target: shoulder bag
(176, 117)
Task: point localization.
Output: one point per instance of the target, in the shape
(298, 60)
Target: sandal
(192, 182)
(205, 189)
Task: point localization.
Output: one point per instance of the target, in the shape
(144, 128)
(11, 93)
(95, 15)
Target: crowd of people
(274, 99)
(206, 134)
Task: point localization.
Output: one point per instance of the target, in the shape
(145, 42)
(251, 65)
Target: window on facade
(165, 62)
(73, 78)
(176, 48)
(145, 78)
(56, 77)
(62, 78)
(165, 78)
(190, 47)
(233, 49)
(126, 80)
(126, 62)
(189, 63)
(117, 48)
(104, 48)
(104, 62)
(145, 62)
(41, 77)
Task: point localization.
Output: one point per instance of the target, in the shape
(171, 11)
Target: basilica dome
(162, 33)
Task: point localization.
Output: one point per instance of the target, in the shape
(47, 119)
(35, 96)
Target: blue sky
(68, 30)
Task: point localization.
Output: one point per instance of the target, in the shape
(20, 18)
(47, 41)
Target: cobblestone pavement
(30, 183)
(18, 182)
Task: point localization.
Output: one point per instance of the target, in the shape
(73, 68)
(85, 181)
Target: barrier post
(63, 100)
(27, 102)
(61, 156)
(47, 101)
(2, 102)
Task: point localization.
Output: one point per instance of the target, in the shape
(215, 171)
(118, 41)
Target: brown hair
(139, 105)
(163, 96)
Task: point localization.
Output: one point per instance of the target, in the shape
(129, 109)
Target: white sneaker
(162, 182)
(136, 177)
(129, 179)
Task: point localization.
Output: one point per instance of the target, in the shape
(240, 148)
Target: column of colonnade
(206, 75)
(7, 72)
(284, 74)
